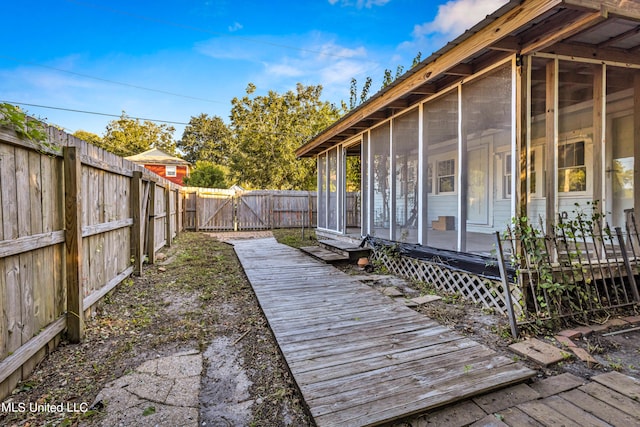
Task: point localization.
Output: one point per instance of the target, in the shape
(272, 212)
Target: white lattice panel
(478, 289)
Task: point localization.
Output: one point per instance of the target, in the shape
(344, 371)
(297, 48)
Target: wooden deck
(610, 399)
(358, 357)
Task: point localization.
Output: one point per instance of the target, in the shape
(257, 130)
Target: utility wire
(297, 134)
(93, 112)
(109, 81)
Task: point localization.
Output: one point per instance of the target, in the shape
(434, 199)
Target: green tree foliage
(416, 60)
(207, 175)
(268, 129)
(387, 79)
(126, 137)
(206, 138)
(364, 94)
(89, 137)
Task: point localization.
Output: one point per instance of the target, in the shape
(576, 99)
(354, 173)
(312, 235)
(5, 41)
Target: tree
(89, 137)
(206, 138)
(207, 175)
(126, 137)
(387, 79)
(268, 129)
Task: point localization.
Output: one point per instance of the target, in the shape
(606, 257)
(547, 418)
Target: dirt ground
(197, 297)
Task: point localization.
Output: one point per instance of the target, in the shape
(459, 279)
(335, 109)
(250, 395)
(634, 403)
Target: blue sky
(170, 60)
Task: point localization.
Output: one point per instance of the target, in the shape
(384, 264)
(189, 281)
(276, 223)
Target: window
(446, 176)
(429, 178)
(506, 180)
(170, 170)
(532, 173)
(572, 171)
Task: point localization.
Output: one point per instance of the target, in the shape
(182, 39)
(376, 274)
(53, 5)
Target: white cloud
(456, 16)
(360, 3)
(225, 48)
(283, 70)
(235, 27)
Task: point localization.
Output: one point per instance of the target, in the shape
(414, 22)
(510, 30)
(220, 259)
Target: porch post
(371, 180)
(598, 134)
(423, 164)
(392, 184)
(462, 176)
(522, 124)
(636, 143)
(551, 121)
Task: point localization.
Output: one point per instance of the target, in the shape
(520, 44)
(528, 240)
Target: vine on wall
(26, 127)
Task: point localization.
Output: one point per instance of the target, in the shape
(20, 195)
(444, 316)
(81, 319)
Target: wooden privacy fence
(75, 223)
(216, 209)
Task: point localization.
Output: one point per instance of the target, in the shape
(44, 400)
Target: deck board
(358, 357)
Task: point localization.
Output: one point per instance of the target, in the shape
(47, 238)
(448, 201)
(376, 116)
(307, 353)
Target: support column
(551, 121)
(598, 135)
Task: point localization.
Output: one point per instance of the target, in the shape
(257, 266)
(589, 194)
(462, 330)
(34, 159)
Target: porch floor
(358, 357)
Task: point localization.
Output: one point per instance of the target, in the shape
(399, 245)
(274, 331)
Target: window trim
(588, 161)
(173, 174)
(452, 175)
(507, 175)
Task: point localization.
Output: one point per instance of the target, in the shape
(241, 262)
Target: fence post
(136, 229)
(167, 204)
(73, 243)
(630, 277)
(197, 213)
(505, 283)
(151, 226)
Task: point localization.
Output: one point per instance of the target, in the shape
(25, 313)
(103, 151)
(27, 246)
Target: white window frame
(170, 171)
(438, 176)
(588, 163)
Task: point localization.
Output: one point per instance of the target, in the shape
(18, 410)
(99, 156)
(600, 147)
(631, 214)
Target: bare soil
(197, 297)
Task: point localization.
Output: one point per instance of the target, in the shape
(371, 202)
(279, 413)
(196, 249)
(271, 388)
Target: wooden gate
(254, 211)
(210, 209)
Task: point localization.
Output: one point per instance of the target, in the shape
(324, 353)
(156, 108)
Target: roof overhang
(599, 30)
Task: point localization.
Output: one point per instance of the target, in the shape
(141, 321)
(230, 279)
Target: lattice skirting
(475, 288)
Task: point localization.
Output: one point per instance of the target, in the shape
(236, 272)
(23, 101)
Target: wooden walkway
(358, 357)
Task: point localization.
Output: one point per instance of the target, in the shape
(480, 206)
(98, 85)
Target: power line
(109, 81)
(135, 118)
(94, 113)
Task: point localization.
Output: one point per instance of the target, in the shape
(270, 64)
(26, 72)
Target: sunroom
(529, 113)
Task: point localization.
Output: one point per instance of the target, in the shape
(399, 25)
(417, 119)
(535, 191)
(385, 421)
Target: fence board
(218, 209)
(52, 250)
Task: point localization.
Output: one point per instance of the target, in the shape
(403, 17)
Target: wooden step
(351, 251)
(325, 255)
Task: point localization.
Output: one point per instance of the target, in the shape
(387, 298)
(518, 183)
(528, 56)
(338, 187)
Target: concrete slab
(426, 299)
(160, 392)
(392, 291)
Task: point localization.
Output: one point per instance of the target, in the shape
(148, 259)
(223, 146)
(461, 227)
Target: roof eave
(483, 35)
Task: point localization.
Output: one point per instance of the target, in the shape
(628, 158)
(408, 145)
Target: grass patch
(295, 237)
